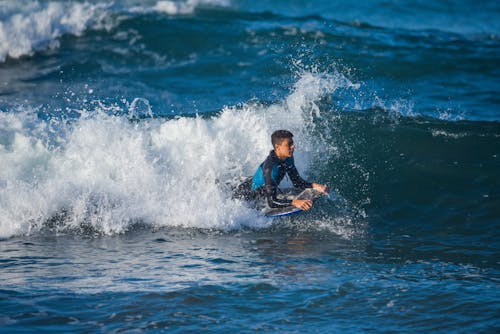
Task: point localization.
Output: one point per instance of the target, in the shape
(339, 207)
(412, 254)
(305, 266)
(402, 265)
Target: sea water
(125, 125)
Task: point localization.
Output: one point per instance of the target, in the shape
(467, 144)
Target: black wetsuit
(267, 178)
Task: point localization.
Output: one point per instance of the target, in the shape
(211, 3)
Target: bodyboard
(308, 193)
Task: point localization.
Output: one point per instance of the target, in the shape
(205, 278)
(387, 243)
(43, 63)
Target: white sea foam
(443, 133)
(186, 7)
(107, 172)
(173, 7)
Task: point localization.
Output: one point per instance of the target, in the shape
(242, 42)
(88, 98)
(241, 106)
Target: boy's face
(284, 149)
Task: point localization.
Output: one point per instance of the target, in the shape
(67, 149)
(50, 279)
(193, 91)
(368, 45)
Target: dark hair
(278, 136)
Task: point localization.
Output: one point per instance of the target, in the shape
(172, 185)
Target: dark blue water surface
(124, 126)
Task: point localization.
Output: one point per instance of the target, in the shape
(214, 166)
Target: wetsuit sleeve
(297, 181)
(272, 200)
(270, 188)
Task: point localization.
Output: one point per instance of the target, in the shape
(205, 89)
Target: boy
(270, 173)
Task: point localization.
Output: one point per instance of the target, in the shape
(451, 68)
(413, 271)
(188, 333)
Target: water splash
(104, 173)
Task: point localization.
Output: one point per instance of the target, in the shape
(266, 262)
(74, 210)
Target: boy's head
(282, 141)
(279, 135)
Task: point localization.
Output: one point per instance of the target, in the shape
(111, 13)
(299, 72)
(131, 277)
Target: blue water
(124, 126)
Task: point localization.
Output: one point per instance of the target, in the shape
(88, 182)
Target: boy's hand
(303, 204)
(321, 188)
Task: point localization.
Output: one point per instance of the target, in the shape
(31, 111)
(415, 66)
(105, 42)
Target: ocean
(125, 126)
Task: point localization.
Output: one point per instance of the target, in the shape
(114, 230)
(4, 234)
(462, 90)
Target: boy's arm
(272, 200)
(298, 182)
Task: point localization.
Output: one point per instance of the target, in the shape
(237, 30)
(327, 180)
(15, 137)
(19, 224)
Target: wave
(104, 173)
(27, 26)
(30, 26)
(112, 168)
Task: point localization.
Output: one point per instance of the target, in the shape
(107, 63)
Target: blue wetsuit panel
(277, 174)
